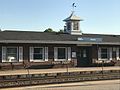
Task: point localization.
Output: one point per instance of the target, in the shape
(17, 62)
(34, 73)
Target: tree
(49, 30)
(61, 31)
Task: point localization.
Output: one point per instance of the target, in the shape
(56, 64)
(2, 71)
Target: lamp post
(102, 68)
(28, 72)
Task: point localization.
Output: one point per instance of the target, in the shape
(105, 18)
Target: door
(84, 56)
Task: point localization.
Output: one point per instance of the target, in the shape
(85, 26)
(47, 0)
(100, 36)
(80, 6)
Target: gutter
(58, 42)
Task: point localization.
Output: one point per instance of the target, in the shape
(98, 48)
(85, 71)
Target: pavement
(58, 70)
(88, 85)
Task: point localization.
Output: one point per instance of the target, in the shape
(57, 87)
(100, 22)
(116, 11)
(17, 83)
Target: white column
(110, 51)
(46, 53)
(20, 54)
(117, 53)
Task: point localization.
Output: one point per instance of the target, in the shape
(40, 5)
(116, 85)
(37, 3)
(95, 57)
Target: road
(89, 85)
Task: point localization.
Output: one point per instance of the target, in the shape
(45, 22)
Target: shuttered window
(12, 54)
(104, 54)
(38, 54)
(75, 25)
(62, 53)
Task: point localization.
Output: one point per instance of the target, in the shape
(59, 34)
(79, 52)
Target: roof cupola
(72, 25)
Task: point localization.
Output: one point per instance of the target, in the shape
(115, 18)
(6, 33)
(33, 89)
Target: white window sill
(103, 59)
(10, 61)
(61, 60)
(118, 59)
(37, 60)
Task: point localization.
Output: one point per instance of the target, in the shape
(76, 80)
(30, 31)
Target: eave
(56, 42)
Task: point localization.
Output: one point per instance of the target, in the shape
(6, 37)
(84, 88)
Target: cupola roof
(73, 17)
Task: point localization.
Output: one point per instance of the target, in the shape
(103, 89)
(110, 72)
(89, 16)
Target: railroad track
(50, 78)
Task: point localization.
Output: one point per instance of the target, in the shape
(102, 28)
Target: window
(38, 54)
(104, 53)
(75, 26)
(11, 54)
(61, 53)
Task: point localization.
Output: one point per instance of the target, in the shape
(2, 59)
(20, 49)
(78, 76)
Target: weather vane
(73, 6)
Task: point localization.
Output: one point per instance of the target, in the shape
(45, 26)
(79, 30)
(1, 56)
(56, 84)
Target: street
(89, 85)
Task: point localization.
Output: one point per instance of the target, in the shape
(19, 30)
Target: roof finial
(73, 7)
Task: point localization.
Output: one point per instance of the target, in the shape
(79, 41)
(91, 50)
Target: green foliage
(49, 30)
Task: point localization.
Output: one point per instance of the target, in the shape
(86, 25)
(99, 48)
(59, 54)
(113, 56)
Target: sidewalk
(38, 71)
(88, 85)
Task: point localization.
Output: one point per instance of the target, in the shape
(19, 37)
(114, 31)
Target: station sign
(87, 39)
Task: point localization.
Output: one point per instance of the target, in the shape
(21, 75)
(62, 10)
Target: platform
(58, 70)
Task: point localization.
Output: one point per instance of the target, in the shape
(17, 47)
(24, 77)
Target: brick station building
(19, 49)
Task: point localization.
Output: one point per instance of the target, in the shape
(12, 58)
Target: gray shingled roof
(42, 37)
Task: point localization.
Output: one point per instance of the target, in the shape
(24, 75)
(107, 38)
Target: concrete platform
(39, 71)
(88, 85)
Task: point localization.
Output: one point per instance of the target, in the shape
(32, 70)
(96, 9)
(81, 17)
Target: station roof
(55, 37)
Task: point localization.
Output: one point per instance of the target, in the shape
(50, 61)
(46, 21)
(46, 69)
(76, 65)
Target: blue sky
(100, 16)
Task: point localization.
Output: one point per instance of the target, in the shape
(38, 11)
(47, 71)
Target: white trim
(71, 26)
(46, 53)
(110, 51)
(117, 54)
(31, 53)
(69, 53)
(3, 54)
(99, 53)
(55, 53)
(20, 54)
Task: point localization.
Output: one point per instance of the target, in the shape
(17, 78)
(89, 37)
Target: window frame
(108, 53)
(66, 54)
(42, 54)
(16, 60)
(62, 53)
(75, 25)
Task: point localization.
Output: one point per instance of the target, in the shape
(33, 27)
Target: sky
(100, 16)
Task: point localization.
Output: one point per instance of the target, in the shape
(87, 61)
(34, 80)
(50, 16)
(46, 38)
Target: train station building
(52, 49)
